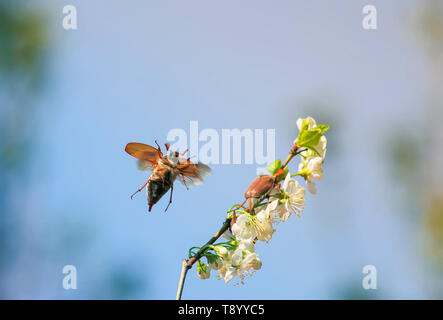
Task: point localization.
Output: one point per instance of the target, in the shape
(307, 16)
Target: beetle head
(173, 157)
(280, 175)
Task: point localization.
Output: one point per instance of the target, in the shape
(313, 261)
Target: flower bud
(203, 270)
(222, 252)
(256, 264)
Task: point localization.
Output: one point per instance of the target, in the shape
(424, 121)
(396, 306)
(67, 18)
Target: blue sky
(133, 71)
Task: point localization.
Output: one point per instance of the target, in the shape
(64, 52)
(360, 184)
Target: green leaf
(211, 258)
(304, 125)
(309, 138)
(314, 150)
(286, 170)
(201, 266)
(323, 127)
(273, 167)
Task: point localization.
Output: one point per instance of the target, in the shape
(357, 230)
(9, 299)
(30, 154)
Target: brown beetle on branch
(259, 189)
(262, 186)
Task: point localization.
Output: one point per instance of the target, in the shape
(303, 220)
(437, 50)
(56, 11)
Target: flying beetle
(165, 169)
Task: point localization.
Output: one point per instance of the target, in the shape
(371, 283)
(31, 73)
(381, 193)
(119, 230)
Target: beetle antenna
(159, 149)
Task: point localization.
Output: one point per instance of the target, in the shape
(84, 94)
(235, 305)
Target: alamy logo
(232, 146)
(370, 280)
(369, 21)
(70, 17)
(70, 280)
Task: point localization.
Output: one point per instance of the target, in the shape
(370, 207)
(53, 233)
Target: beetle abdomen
(158, 187)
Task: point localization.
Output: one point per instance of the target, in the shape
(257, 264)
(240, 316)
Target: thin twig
(182, 279)
(187, 264)
(291, 155)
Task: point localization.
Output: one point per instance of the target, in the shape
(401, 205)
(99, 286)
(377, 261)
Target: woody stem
(292, 154)
(187, 264)
(182, 280)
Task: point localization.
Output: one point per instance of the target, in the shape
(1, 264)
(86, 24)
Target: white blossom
(310, 169)
(242, 262)
(223, 257)
(244, 228)
(312, 187)
(314, 167)
(320, 148)
(295, 194)
(311, 165)
(227, 235)
(281, 209)
(222, 252)
(247, 244)
(249, 227)
(312, 123)
(230, 273)
(265, 230)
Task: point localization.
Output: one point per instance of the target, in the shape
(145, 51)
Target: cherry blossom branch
(237, 257)
(187, 264)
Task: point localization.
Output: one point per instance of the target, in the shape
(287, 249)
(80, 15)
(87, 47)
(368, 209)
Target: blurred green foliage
(431, 30)
(23, 42)
(23, 39)
(430, 25)
(411, 165)
(434, 223)
(24, 53)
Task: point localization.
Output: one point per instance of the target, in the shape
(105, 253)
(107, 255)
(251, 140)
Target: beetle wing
(143, 165)
(144, 152)
(194, 174)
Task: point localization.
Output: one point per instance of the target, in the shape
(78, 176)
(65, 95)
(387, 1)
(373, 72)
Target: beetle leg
(140, 188)
(163, 181)
(170, 198)
(184, 182)
(159, 150)
(241, 205)
(278, 186)
(234, 219)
